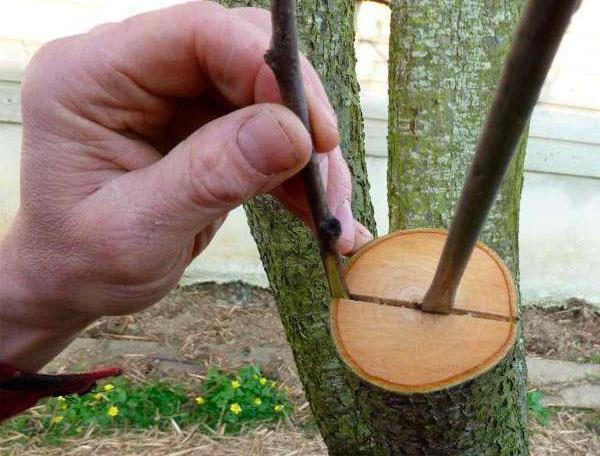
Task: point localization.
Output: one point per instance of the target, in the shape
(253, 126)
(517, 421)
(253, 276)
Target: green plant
(225, 402)
(594, 358)
(232, 401)
(594, 422)
(537, 410)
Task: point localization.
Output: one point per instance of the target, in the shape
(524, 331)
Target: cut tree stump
(383, 335)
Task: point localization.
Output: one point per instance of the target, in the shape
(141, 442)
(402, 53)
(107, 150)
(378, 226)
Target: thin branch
(283, 59)
(536, 41)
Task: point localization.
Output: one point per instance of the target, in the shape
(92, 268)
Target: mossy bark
(445, 61)
(289, 252)
(356, 418)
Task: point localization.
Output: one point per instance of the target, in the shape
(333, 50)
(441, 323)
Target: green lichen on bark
(445, 61)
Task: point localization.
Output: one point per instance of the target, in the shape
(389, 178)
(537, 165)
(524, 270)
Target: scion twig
(536, 41)
(283, 59)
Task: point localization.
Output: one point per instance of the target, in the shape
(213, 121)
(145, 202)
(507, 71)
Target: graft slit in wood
(418, 306)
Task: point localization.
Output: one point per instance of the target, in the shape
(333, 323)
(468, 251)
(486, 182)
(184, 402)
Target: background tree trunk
(356, 418)
(445, 61)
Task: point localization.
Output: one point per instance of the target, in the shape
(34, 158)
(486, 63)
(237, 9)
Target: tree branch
(283, 59)
(536, 41)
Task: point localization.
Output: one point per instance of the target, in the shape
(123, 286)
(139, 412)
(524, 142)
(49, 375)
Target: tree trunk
(289, 252)
(445, 61)
(356, 418)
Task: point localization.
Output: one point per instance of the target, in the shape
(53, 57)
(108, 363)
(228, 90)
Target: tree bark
(289, 252)
(445, 61)
(486, 416)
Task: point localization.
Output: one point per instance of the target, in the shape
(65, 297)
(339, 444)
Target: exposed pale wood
(401, 266)
(407, 350)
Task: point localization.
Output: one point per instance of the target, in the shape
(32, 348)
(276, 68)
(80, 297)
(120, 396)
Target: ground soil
(570, 333)
(242, 317)
(211, 325)
(192, 318)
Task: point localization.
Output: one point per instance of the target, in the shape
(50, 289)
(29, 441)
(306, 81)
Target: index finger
(186, 49)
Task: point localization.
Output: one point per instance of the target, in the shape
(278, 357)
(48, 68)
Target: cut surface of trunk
(385, 337)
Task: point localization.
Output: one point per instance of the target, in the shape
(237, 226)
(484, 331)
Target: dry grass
(262, 442)
(243, 318)
(569, 433)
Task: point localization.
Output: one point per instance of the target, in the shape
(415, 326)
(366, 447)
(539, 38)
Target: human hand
(138, 138)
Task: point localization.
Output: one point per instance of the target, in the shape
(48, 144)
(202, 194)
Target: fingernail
(324, 169)
(345, 242)
(330, 116)
(362, 235)
(265, 145)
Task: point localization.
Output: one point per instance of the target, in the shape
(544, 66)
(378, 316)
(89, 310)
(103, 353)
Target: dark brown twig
(536, 41)
(283, 59)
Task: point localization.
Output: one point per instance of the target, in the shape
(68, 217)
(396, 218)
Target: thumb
(227, 161)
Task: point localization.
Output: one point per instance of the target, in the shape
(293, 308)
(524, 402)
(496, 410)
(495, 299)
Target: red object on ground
(20, 390)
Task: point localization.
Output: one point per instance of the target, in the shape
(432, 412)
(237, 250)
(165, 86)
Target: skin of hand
(138, 138)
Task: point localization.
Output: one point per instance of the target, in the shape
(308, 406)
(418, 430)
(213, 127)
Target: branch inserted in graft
(283, 59)
(536, 41)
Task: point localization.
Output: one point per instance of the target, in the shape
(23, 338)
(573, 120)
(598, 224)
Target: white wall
(560, 214)
(560, 208)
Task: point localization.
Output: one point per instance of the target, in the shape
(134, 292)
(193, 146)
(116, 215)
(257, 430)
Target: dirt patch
(570, 333)
(192, 319)
(233, 313)
(207, 324)
(568, 433)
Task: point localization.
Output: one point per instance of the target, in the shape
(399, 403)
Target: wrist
(34, 326)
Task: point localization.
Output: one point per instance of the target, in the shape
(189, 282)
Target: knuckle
(213, 184)
(47, 74)
(45, 59)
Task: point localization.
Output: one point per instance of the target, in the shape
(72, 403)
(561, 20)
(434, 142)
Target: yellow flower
(112, 411)
(273, 384)
(56, 419)
(61, 398)
(235, 408)
(257, 401)
(235, 384)
(262, 381)
(200, 400)
(109, 387)
(278, 408)
(98, 396)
